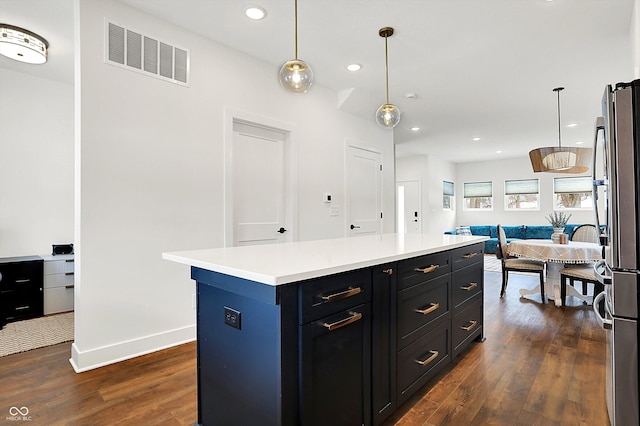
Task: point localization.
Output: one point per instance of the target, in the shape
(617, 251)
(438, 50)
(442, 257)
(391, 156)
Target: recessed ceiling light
(499, 151)
(354, 67)
(415, 128)
(572, 124)
(476, 139)
(255, 12)
(411, 96)
(579, 143)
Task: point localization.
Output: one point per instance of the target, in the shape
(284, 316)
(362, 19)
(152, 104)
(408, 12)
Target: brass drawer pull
(428, 310)
(470, 287)
(69, 286)
(68, 273)
(427, 269)
(434, 355)
(470, 326)
(388, 271)
(69, 260)
(470, 255)
(355, 316)
(342, 294)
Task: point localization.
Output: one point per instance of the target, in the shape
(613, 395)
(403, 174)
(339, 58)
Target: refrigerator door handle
(602, 272)
(599, 125)
(603, 322)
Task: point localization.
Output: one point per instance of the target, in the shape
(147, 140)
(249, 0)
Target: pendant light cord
(558, 89)
(296, 27)
(386, 64)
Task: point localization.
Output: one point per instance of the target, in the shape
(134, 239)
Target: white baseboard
(105, 355)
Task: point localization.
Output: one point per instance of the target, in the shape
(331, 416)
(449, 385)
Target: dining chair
(584, 272)
(516, 264)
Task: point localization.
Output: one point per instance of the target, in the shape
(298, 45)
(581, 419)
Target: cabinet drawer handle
(428, 310)
(427, 269)
(342, 294)
(69, 286)
(434, 355)
(69, 260)
(470, 255)
(470, 287)
(388, 271)
(470, 327)
(22, 281)
(355, 316)
(22, 308)
(68, 273)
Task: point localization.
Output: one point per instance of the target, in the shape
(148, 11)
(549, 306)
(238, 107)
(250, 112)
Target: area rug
(22, 336)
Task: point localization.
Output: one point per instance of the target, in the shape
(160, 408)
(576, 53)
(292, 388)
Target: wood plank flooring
(540, 365)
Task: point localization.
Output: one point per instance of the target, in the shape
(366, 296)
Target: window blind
(524, 186)
(478, 189)
(572, 185)
(447, 188)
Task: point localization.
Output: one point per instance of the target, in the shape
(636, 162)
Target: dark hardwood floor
(540, 365)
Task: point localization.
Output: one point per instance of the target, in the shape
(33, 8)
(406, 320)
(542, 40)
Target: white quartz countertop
(290, 262)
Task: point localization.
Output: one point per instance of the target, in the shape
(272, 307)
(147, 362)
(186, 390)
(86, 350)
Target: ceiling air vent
(138, 52)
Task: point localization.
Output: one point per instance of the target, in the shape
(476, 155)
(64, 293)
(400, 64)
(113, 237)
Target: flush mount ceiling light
(255, 12)
(22, 45)
(295, 74)
(560, 159)
(388, 115)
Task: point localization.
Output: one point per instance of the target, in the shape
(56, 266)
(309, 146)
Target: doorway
(364, 197)
(409, 213)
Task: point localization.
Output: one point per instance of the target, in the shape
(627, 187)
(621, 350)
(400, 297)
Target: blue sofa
(518, 232)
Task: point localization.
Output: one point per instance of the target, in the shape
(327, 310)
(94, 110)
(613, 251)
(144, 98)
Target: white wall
(149, 156)
(498, 171)
(635, 38)
(36, 164)
(430, 171)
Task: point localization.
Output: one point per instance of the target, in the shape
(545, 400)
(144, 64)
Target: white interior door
(409, 211)
(364, 199)
(258, 182)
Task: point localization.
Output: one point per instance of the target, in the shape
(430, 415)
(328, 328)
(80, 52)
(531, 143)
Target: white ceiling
(479, 68)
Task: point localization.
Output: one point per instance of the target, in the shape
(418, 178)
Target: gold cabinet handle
(342, 294)
(428, 310)
(470, 327)
(427, 269)
(69, 286)
(355, 316)
(68, 273)
(470, 287)
(69, 260)
(434, 355)
(388, 271)
(470, 255)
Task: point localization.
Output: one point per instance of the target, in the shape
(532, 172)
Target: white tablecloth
(547, 250)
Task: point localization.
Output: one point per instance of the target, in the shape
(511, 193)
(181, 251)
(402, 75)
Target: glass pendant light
(295, 74)
(560, 159)
(388, 115)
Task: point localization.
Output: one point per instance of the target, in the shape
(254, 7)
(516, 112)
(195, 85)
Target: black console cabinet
(21, 284)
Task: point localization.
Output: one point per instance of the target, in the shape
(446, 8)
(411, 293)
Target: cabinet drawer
(59, 299)
(21, 274)
(420, 269)
(22, 304)
(421, 360)
(421, 305)
(58, 280)
(63, 266)
(466, 326)
(328, 295)
(466, 283)
(465, 256)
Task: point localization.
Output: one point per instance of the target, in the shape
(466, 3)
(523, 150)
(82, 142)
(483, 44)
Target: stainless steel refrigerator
(616, 173)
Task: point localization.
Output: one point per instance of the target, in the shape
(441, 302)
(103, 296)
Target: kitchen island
(339, 331)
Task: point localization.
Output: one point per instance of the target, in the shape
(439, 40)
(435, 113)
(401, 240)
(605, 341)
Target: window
(478, 196)
(572, 193)
(447, 195)
(522, 194)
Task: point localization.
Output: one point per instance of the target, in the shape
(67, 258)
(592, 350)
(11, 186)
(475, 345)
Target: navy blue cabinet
(344, 349)
(21, 288)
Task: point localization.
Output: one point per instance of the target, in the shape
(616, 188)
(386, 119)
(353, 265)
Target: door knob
(354, 227)
(282, 230)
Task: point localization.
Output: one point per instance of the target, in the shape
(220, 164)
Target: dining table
(556, 256)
